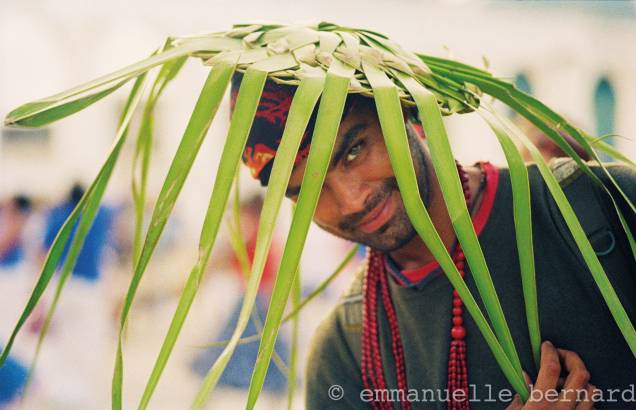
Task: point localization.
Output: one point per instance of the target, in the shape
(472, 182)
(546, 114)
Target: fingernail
(547, 342)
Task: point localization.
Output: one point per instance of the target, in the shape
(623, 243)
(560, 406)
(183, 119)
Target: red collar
(480, 218)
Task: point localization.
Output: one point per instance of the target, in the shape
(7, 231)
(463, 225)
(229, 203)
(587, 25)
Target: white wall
(48, 46)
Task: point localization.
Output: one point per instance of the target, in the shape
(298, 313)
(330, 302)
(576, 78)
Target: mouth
(378, 216)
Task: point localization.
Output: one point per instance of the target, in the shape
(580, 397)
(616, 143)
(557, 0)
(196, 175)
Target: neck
(415, 253)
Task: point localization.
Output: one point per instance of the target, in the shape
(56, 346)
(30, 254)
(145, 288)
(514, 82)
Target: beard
(398, 230)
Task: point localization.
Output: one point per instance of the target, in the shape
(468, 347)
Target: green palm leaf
(446, 172)
(292, 379)
(587, 251)
(85, 213)
(547, 121)
(195, 132)
(356, 61)
(522, 214)
(50, 109)
(393, 128)
(323, 285)
(143, 148)
(303, 103)
(296, 310)
(241, 122)
(325, 133)
(236, 237)
(24, 116)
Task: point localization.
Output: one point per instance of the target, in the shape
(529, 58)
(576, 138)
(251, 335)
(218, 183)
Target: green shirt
(572, 313)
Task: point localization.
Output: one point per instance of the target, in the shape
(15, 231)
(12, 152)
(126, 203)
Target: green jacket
(572, 313)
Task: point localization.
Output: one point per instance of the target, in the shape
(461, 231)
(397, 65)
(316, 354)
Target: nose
(348, 193)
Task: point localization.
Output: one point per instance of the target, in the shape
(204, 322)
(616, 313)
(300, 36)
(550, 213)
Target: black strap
(599, 220)
(585, 201)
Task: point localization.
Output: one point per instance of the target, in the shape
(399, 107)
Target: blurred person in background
(237, 375)
(73, 370)
(13, 376)
(548, 148)
(89, 264)
(13, 283)
(13, 219)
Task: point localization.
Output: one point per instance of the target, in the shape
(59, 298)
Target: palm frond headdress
(325, 62)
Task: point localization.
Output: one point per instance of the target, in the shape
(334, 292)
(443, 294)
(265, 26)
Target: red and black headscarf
(269, 123)
(267, 129)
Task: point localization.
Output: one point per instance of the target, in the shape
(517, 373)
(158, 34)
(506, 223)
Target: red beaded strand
(396, 340)
(371, 365)
(457, 366)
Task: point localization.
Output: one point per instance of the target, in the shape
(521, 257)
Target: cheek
(378, 164)
(328, 216)
(372, 171)
(325, 215)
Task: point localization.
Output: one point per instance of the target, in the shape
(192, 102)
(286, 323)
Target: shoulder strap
(587, 204)
(600, 223)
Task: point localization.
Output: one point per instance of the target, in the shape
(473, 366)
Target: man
(402, 329)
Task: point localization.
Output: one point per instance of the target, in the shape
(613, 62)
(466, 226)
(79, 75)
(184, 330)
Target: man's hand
(551, 391)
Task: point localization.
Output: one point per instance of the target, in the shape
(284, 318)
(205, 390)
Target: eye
(354, 152)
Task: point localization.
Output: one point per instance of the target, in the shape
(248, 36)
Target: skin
(13, 221)
(574, 390)
(360, 180)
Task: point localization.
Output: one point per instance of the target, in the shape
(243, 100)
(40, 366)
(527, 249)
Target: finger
(515, 404)
(578, 375)
(587, 402)
(550, 368)
(568, 398)
(560, 383)
(571, 360)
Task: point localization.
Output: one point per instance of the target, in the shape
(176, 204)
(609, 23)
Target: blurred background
(577, 56)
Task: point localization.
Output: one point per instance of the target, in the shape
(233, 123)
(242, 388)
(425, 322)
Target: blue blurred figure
(76, 350)
(13, 218)
(88, 264)
(13, 375)
(239, 369)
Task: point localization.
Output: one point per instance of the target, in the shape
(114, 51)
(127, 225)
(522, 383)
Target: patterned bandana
(269, 123)
(267, 128)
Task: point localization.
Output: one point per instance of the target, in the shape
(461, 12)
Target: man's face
(360, 200)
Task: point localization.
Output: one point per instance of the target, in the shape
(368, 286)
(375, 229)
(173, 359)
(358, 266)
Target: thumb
(527, 378)
(516, 403)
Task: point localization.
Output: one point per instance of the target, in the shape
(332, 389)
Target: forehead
(358, 117)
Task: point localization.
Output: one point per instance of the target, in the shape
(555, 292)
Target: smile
(378, 216)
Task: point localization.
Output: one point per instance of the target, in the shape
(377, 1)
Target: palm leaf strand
(331, 60)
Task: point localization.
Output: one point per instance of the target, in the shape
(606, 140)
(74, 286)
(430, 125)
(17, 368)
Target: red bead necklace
(371, 358)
